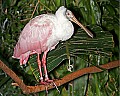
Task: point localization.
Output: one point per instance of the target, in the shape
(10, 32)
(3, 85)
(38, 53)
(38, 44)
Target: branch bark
(33, 89)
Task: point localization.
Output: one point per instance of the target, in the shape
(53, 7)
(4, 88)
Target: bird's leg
(40, 69)
(45, 69)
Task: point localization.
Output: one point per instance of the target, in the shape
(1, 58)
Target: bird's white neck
(65, 27)
(61, 17)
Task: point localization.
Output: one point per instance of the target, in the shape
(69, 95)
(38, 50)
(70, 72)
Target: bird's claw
(46, 82)
(49, 82)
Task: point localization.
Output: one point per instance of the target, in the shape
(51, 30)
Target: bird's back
(34, 37)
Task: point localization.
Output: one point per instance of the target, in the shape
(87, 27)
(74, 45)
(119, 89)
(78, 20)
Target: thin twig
(34, 9)
(33, 89)
(45, 6)
(32, 12)
(25, 19)
(88, 76)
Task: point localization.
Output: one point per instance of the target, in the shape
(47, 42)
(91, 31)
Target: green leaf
(79, 44)
(4, 80)
(90, 11)
(96, 13)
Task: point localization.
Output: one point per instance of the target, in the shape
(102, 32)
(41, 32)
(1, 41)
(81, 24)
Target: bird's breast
(65, 30)
(62, 31)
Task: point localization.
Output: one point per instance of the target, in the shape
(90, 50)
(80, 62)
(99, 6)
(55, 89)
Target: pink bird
(42, 34)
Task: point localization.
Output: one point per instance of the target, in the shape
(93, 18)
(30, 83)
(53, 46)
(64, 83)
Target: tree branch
(32, 89)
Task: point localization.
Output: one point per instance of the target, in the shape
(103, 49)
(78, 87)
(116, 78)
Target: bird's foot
(46, 82)
(49, 82)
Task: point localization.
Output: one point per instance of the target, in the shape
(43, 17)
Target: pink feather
(33, 38)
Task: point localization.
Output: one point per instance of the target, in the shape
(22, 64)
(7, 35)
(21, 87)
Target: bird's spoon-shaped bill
(73, 19)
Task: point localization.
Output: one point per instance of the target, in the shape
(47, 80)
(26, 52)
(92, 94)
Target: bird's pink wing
(33, 38)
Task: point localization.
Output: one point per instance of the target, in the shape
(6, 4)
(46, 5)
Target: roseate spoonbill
(42, 34)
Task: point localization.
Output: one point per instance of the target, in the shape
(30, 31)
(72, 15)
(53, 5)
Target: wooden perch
(32, 89)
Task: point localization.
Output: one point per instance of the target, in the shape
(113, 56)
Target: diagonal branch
(32, 89)
(35, 8)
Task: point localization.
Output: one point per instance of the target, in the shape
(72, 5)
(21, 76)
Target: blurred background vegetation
(99, 16)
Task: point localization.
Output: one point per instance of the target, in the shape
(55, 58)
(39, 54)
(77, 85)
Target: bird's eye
(68, 13)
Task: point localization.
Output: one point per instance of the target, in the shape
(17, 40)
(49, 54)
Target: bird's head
(69, 15)
(64, 12)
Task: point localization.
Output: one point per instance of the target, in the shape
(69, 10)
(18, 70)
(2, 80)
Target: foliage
(100, 16)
